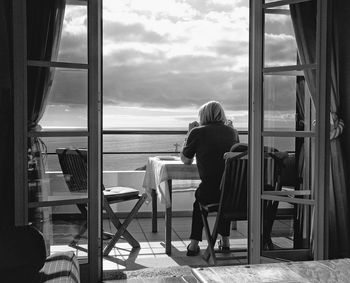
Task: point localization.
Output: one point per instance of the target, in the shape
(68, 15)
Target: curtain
(44, 26)
(304, 23)
(6, 117)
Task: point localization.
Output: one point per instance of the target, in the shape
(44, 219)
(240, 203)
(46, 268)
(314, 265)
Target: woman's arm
(185, 160)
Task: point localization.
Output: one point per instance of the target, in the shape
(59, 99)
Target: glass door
(288, 136)
(61, 83)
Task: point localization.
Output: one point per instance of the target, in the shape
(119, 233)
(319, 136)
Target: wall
(182, 202)
(6, 117)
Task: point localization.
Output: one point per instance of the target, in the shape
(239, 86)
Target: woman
(208, 140)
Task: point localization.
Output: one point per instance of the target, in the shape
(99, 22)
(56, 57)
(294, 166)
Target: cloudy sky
(163, 59)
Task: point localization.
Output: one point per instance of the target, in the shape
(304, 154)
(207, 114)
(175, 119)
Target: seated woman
(208, 140)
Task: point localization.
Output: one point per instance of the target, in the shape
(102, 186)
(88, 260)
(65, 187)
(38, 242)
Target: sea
(125, 152)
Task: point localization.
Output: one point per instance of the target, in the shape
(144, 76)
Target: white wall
(181, 201)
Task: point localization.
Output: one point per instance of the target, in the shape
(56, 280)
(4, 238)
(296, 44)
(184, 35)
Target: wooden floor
(152, 251)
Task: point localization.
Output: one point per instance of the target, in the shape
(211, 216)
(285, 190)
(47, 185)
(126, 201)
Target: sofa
(23, 258)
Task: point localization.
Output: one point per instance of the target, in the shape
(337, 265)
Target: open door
(289, 112)
(58, 102)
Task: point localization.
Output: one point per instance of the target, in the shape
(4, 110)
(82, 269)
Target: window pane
(280, 44)
(65, 106)
(57, 31)
(286, 227)
(288, 164)
(47, 180)
(287, 104)
(60, 226)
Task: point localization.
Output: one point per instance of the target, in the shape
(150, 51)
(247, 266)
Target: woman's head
(210, 112)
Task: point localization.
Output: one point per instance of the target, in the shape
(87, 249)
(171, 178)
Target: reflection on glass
(287, 104)
(58, 31)
(288, 166)
(47, 181)
(280, 44)
(59, 102)
(286, 227)
(63, 227)
(288, 173)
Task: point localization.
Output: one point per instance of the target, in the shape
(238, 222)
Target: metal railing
(145, 132)
(149, 132)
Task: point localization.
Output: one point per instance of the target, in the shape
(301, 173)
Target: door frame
(92, 271)
(256, 133)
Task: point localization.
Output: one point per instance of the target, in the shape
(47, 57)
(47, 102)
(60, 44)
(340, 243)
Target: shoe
(191, 252)
(222, 248)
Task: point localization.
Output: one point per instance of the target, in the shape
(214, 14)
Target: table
(160, 171)
(308, 271)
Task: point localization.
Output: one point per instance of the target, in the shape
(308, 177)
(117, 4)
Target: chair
(233, 199)
(288, 180)
(74, 167)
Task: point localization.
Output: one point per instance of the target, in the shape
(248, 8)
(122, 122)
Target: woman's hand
(229, 123)
(192, 125)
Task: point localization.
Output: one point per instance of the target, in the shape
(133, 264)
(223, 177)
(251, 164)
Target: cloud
(162, 54)
(161, 85)
(280, 50)
(115, 31)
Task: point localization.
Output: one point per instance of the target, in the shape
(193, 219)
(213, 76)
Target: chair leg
(83, 227)
(121, 227)
(77, 237)
(211, 242)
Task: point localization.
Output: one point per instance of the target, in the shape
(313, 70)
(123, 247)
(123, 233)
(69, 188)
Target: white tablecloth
(159, 171)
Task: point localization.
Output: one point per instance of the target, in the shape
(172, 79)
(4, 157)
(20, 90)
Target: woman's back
(209, 143)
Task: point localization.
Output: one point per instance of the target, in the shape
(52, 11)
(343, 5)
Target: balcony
(60, 222)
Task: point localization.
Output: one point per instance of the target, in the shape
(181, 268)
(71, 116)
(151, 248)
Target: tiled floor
(152, 251)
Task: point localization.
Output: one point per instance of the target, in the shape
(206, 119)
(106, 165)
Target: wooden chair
(233, 200)
(74, 167)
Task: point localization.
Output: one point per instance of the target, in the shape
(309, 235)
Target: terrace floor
(152, 251)
(125, 260)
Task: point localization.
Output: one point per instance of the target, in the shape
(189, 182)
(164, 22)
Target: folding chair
(74, 167)
(233, 200)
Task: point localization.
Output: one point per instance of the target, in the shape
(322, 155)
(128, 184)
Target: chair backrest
(233, 200)
(74, 167)
(287, 171)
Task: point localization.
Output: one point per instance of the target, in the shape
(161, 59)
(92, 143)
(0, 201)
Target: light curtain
(304, 22)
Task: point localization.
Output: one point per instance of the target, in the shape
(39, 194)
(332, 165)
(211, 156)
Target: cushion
(121, 192)
(60, 267)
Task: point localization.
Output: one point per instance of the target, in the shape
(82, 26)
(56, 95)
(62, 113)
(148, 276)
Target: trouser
(197, 223)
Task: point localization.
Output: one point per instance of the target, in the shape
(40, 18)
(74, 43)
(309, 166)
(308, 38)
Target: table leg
(168, 215)
(154, 211)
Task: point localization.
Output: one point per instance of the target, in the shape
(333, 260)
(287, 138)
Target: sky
(162, 59)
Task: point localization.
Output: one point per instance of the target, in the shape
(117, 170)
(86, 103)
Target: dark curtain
(342, 12)
(44, 25)
(304, 22)
(6, 116)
